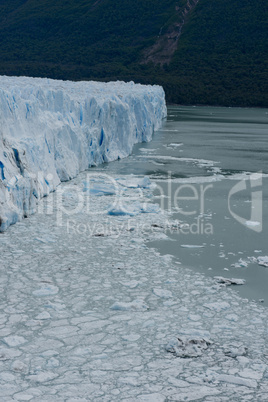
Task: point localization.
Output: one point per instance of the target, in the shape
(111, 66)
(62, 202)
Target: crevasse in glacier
(52, 130)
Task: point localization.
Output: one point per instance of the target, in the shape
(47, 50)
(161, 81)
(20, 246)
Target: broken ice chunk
(240, 263)
(229, 281)
(43, 316)
(232, 379)
(48, 290)
(263, 261)
(150, 208)
(131, 284)
(188, 347)
(134, 305)
(43, 376)
(133, 209)
(217, 306)
(152, 398)
(19, 366)
(14, 340)
(8, 354)
(192, 246)
(234, 351)
(120, 210)
(131, 337)
(135, 182)
(99, 189)
(164, 294)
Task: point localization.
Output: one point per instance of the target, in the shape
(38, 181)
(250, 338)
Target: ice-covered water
(212, 150)
(89, 312)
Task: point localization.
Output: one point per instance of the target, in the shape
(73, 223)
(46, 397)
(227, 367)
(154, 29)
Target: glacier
(51, 130)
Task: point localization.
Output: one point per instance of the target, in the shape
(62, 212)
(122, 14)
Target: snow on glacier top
(78, 89)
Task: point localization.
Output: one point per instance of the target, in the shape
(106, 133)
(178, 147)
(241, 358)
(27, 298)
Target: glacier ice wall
(52, 130)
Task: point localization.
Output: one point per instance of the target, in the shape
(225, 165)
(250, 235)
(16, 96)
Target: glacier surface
(52, 130)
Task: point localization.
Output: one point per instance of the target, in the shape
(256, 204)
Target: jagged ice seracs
(51, 130)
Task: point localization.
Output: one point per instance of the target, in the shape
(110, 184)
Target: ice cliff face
(52, 130)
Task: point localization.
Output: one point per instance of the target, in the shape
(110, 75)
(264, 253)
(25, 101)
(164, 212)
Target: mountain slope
(201, 51)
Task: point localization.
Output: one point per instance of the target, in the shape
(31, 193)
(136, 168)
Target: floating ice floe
(229, 281)
(19, 367)
(232, 379)
(138, 305)
(192, 246)
(100, 189)
(217, 306)
(188, 347)
(163, 293)
(130, 284)
(48, 290)
(198, 162)
(43, 377)
(14, 340)
(263, 261)
(241, 263)
(134, 209)
(235, 351)
(175, 144)
(131, 337)
(43, 316)
(135, 182)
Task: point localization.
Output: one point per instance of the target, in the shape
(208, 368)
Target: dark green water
(202, 153)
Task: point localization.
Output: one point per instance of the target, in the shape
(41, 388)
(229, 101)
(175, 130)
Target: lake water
(202, 153)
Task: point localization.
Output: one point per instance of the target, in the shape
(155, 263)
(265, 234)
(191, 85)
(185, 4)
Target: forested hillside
(201, 51)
